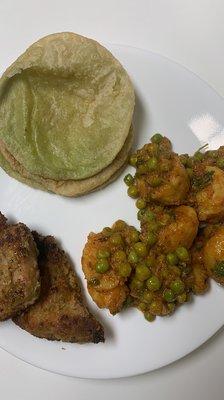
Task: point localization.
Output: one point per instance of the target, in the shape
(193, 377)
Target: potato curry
(180, 243)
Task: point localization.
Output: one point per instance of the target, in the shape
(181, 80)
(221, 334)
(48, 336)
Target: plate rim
(213, 331)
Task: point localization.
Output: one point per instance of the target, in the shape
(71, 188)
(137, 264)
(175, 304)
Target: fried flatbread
(66, 107)
(69, 188)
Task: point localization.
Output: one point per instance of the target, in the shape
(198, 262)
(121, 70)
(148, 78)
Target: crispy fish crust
(19, 274)
(60, 313)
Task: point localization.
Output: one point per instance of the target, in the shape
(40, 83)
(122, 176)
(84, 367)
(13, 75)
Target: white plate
(177, 103)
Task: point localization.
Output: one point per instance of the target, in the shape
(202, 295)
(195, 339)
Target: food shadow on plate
(139, 119)
(127, 312)
(11, 219)
(109, 333)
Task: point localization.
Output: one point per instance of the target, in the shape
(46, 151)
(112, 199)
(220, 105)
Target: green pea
(142, 169)
(107, 231)
(153, 283)
(168, 295)
(133, 191)
(149, 215)
(156, 138)
(151, 239)
(182, 298)
(133, 160)
(219, 268)
(142, 272)
(116, 239)
(149, 317)
(171, 307)
(155, 181)
(140, 214)
(182, 254)
(102, 266)
(136, 284)
(172, 258)
(220, 162)
(154, 226)
(119, 225)
(198, 156)
(120, 256)
(103, 253)
(133, 235)
(124, 270)
(147, 296)
(177, 286)
(150, 261)
(133, 257)
(156, 307)
(152, 164)
(140, 249)
(140, 203)
(175, 270)
(128, 179)
(142, 306)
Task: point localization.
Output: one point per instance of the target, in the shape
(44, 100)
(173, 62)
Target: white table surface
(190, 32)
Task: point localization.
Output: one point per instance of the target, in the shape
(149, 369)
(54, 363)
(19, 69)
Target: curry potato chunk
(214, 255)
(160, 176)
(173, 228)
(107, 265)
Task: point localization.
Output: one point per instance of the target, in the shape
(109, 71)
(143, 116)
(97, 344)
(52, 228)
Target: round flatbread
(69, 188)
(66, 107)
(14, 174)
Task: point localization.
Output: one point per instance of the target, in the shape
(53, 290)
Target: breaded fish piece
(60, 313)
(19, 274)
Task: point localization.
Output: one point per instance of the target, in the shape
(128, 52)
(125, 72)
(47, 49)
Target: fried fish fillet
(19, 274)
(60, 313)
